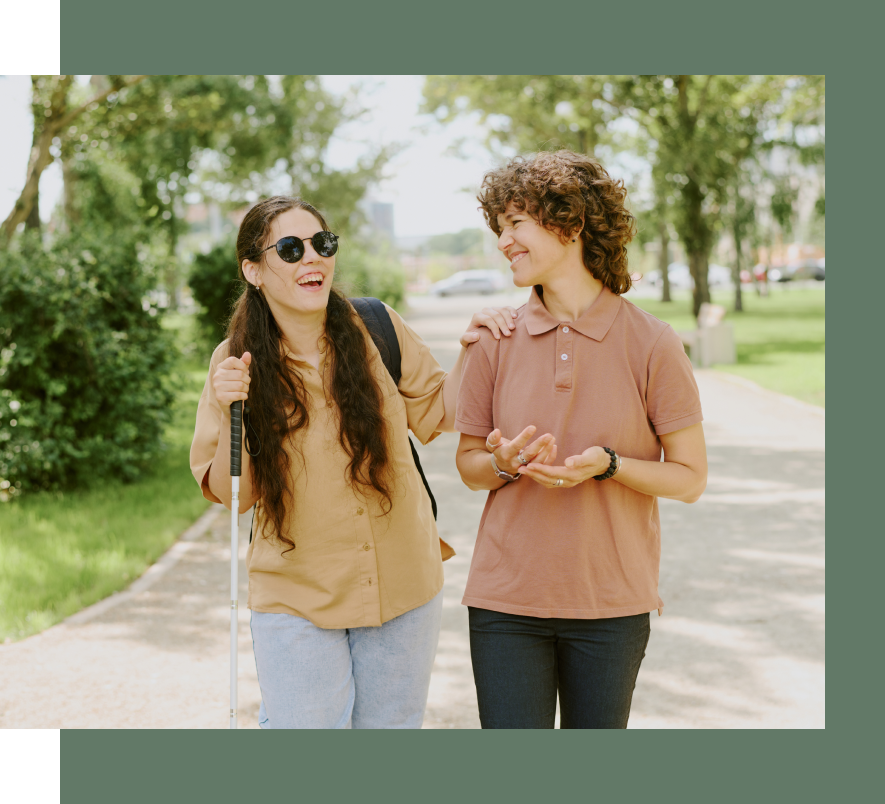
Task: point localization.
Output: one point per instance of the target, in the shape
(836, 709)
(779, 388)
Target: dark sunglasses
(291, 248)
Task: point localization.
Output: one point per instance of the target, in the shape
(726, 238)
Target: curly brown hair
(568, 193)
(278, 403)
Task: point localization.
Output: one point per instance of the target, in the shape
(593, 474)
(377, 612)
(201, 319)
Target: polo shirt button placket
(565, 346)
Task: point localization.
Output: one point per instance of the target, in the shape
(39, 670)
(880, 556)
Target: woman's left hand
(498, 319)
(577, 469)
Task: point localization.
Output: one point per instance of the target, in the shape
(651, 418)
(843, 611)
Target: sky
(425, 185)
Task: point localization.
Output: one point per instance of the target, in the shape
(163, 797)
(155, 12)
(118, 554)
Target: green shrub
(216, 287)
(85, 385)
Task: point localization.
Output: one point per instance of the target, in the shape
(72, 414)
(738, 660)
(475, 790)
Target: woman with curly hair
(565, 568)
(345, 563)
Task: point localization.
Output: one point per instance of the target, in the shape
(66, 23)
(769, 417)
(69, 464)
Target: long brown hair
(568, 193)
(278, 402)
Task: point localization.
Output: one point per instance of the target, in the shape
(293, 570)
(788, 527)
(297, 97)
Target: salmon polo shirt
(355, 563)
(617, 377)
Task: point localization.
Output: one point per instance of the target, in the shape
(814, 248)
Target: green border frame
(394, 36)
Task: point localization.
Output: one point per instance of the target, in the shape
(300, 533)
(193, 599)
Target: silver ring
(492, 447)
(521, 459)
(558, 483)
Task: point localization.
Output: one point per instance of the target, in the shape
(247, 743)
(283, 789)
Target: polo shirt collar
(594, 323)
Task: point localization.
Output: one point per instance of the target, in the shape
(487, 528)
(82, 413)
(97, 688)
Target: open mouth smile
(311, 281)
(517, 258)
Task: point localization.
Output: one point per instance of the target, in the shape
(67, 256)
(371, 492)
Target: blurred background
(120, 197)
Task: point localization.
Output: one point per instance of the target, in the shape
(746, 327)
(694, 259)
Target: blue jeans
(345, 678)
(520, 663)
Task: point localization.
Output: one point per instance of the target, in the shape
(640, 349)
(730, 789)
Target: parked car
(465, 282)
(679, 275)
(781, 274)
(809, 269)
(718, 275)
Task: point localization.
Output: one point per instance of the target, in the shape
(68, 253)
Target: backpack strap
(377, 321)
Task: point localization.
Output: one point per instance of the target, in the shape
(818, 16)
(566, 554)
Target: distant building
(381, 216)
(378, 216)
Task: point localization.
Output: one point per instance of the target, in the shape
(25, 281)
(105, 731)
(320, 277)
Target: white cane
(236, 446)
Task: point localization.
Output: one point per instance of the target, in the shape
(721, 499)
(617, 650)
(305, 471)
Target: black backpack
(377, 321)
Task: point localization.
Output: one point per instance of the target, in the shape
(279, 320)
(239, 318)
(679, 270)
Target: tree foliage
(228, 138)
(527, 112)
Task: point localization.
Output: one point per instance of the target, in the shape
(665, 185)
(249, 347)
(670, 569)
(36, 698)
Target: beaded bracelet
(612, 467)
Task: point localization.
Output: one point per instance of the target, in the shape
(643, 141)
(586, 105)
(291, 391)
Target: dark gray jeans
(520, 663)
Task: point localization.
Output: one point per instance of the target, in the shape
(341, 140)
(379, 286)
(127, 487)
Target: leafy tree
(55, 112)
(697, 132)
(703, 128)
(228, 138)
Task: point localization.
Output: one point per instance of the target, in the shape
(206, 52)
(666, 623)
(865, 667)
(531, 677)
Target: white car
(677, 273)
(680, 276)
(718, 275)
(465, 282)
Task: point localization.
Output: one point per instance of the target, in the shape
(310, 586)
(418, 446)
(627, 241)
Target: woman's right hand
(507, 452)
(231, 379)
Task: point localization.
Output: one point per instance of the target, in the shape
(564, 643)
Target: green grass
(62, 552)
(780, 339)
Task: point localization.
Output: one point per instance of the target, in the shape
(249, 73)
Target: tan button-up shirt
(352, 565)
(617, 377)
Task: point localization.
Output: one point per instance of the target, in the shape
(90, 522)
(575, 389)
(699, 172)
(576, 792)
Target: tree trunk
(697, 238)
(32, 222)
(698, 262)
(39, 160)
(664, 260)
(736, 270)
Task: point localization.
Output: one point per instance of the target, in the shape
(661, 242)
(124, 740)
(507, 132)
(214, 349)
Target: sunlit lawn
(780, 339)
(60, 553)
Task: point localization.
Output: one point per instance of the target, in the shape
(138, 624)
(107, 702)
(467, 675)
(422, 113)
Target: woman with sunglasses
(345, 563)
(565, 569)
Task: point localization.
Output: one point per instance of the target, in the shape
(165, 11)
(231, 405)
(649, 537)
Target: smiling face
(536, 254)
(300, 288)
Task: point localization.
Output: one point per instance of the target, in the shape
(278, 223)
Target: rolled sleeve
(672, 397)
(421, 383)
(207, 428)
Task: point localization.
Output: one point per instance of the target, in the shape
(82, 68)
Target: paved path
(740, 645)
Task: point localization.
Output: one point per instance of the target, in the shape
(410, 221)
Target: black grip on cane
(236, 438)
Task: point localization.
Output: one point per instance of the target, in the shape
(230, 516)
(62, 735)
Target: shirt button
(565, 329)
(564, 357)
(359, 510)
(365, 547)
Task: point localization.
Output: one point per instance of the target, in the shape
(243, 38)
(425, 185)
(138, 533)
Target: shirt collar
(594, 323)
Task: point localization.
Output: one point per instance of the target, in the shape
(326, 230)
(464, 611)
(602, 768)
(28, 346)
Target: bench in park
(713, 340)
